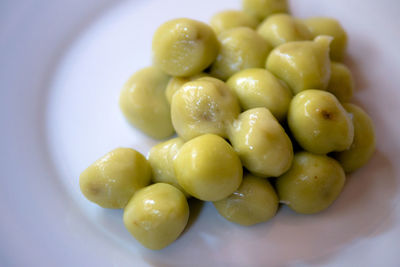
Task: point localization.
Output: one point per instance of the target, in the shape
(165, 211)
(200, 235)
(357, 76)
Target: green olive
(241, 48)
(206, 105)
(230, 19)
(302, 64)
(319, 122)
(261, 143)
(176, 82)
(261, 9)
(312, 184)
(184, 47)
(341, 83)
(255, 201)
(278, 29)
(363, 146)
(161, 157)
(156, 215)
(329, 26)
(144, 104)
(259, 88)
(112, 180)
(208, 168)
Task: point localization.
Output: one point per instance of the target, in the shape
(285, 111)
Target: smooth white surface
(62, 66)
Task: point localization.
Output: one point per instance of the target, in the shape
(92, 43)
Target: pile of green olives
(259, 102)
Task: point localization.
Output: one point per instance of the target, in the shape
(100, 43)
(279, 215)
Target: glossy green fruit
(144, 104)
(241, 48)
(341, 83)
(205, 105)
(363, 146)
(161, 157)
(255, 201)
(175, 83)
(278, 29)
(261, 9)
(319, 122)
(156, 215)
(259, 88)
(312, 184)
(261, 143)
(208, 168)
(184, 47)
(230, 19)
(303, 64)
(331, 27)
(112, 180)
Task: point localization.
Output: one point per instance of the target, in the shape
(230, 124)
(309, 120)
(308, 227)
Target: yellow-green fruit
(255, 201)
(259, 88)
(241, 48)
(341, 83)
(329, 26)
(184, 47)
(363, 146)
(176, 82)
(302, 64)
(206, 105)
(161, 157)
(208, 168)
(263, 8)
(312, 184)
(156, 215)
(144, 104)
(261, 143)
(112, 180)
(278, 29)
(230, 19)
(319, 122)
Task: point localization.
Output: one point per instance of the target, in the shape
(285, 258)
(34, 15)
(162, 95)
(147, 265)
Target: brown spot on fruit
(327, 115)
(94, 189)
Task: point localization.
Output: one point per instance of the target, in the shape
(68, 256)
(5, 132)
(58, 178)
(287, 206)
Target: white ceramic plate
(62, 66)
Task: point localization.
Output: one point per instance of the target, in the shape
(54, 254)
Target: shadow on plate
(289, 237)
